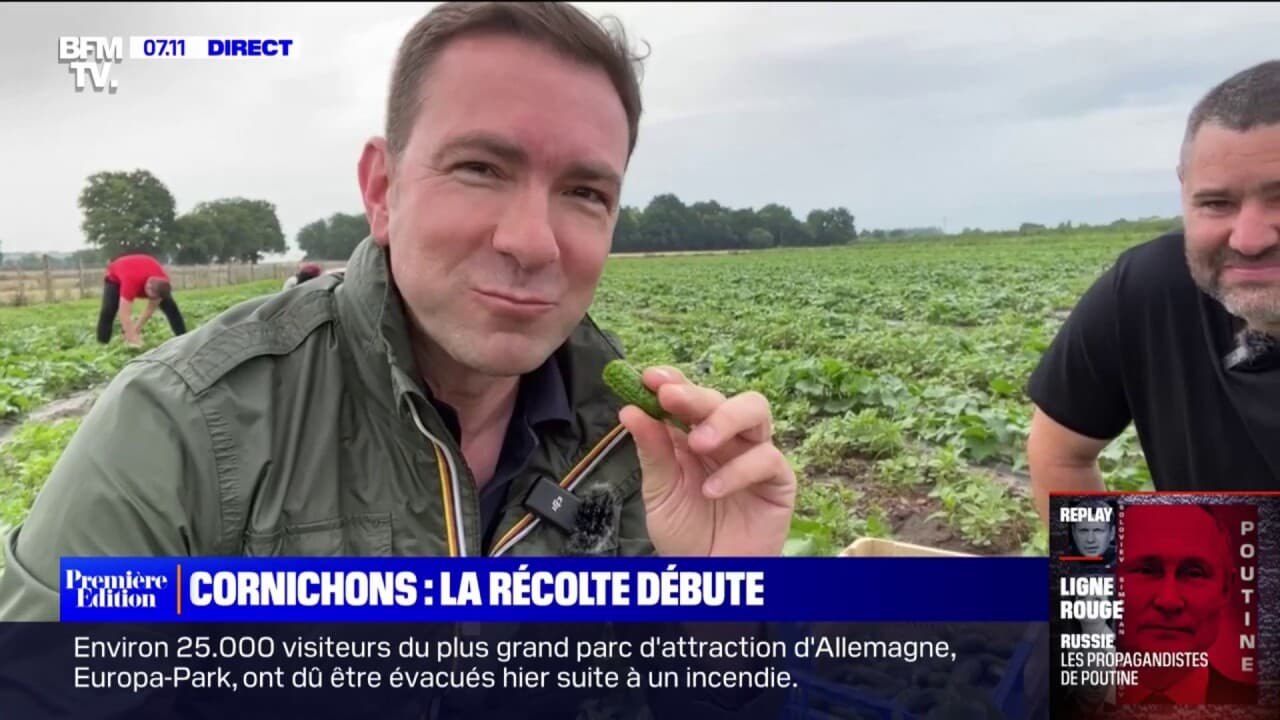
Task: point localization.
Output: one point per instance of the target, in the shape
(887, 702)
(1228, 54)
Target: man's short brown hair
(1246, 100)
(556, 25)
(159, 288)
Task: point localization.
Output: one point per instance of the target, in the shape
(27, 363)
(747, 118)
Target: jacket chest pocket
(362, 535)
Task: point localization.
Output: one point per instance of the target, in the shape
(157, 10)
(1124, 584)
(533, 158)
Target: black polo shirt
(541, 401)
(1146, 345)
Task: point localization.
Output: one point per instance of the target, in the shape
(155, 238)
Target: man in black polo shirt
(1179, 337)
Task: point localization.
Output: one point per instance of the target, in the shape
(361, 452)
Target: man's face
(1092, 538)
(1173, 574)
(499, 215)
(1231, 213)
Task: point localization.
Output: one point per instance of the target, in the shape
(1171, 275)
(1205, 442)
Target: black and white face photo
(1092, 538)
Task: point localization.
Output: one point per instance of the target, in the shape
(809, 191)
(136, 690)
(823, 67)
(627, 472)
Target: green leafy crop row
(48, 351)
(904, 362)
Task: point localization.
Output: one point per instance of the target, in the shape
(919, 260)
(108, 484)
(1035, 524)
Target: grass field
(896, 372)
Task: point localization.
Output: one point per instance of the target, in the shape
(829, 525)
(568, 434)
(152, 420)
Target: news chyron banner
(878, 638)
(1165, 605)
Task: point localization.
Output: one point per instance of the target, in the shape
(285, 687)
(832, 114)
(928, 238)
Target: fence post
(48, 280)
(22, 287)
(80, 267)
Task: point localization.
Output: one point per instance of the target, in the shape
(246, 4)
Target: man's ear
(375, 181)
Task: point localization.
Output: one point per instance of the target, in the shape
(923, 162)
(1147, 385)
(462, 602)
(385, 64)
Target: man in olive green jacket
(407, 407)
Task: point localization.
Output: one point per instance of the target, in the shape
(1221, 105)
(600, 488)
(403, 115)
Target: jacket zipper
(574, 478)
(451, 493)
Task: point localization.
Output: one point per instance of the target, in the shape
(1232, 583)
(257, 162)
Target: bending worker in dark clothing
(127, 278)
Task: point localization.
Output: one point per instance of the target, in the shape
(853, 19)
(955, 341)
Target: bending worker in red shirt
(129, 277)
(307, 271)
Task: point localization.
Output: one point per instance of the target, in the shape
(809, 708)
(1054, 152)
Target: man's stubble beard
(1259, 306)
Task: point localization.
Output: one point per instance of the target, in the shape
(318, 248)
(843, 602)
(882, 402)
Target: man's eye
(1148, 569)
(587, 193)
(1196, 571)
(476, 168)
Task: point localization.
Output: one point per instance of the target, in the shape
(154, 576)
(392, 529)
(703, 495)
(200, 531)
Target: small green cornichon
(627, 383)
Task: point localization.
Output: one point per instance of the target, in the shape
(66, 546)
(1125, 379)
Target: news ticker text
(278, 663)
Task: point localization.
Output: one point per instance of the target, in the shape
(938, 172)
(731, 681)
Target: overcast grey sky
(907, 114)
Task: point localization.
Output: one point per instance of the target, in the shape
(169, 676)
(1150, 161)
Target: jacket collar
(374, 318)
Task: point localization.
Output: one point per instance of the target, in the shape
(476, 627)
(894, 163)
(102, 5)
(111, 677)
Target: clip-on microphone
(1255, 351)
(587, 520)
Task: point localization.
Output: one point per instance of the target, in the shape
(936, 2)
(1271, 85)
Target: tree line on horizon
(128, 212)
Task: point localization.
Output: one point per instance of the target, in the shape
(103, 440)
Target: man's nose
(524, 232)
(1256, 229)
(1168, 598)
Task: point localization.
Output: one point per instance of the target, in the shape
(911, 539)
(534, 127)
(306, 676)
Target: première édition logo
(116, 590)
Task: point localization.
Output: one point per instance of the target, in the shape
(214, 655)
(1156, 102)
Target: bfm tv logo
(90, 59)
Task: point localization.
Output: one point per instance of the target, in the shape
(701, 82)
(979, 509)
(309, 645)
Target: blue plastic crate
(1008, 696)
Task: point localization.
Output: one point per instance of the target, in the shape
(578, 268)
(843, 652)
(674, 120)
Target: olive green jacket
(296, 425)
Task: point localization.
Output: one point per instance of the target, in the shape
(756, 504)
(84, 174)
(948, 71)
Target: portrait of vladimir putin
(1177, 574)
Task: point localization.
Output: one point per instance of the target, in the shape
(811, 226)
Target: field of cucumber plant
(896, 372)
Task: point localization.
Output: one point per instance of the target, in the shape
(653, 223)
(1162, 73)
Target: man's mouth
(522, 306)
(1166, 629)
(1265, 266)
(517, 298)
(1257, 272)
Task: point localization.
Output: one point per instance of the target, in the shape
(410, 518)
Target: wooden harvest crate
(879, 547)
